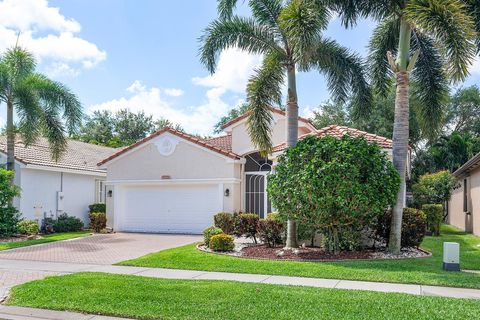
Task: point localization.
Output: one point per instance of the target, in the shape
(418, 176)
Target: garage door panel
(181, 209)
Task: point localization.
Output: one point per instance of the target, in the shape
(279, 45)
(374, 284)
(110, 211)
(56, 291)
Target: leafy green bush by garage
(9, 215)
(98, 207)
(224, 221)
(209, 232)
(221, 242)
(414, 226)
(434, 213)
(65, 223)
(98, 221)
(270, 232)
(331, 184)
(246, 225)
(28, 227)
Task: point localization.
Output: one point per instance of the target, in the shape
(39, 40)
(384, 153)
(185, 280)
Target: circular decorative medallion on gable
(166, 145)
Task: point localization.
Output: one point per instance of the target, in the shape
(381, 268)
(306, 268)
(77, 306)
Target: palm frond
(225, 8)
(430, 86)
(384, 39)
(448, 22)
(344, 72)
(58, 99)
(473, 8)
(266, 11)
(351, 11)
(302, 21)
(54, 131)
(243, 33)
(19, 63)
(28, 111)
(264, 90)
(3, 81)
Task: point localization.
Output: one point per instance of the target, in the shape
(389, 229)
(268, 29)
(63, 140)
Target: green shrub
(414, 225)
(434, 213)
(9, 215)
(349, 239)
(98, 221)
(221, 242)
(273, 216)
(333, 183)
(209, 232)
(28, 227)
(224, 221)
(246, 225)
(98, 207)
(270, 232)
(66, 223)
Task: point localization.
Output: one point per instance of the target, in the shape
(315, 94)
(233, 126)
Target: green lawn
(421, 271)
(150, 298)
(45, 239)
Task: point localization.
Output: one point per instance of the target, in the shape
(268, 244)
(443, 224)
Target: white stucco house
(174, 182)
(50, 188)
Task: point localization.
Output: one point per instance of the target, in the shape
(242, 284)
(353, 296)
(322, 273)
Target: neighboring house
(464, 206)
(175, 182)
(50, 188)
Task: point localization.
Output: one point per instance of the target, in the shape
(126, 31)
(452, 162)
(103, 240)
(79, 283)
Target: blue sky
(143, 54)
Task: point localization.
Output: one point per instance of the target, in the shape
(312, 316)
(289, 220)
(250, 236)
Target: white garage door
(170, 209)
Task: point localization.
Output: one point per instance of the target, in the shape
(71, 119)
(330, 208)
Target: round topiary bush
(224, 221)
(209, 232)
(28, 227)
(221, 242)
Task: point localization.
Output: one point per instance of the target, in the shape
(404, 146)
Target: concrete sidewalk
(58, 268)
(21, 313)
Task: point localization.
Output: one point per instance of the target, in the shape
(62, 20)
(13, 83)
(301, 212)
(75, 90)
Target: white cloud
(57, 45)
(195, 119)
(233, 70)
(174, 92)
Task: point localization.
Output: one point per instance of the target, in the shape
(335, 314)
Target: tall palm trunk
(401, 132)
(292, 138)
(10, 137)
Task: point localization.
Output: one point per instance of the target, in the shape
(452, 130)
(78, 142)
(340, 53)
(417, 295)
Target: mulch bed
(20, 238)
(314, 254)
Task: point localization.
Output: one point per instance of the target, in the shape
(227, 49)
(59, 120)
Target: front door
(256, 199)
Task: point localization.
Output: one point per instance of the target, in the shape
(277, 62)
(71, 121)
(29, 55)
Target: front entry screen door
(256, 194)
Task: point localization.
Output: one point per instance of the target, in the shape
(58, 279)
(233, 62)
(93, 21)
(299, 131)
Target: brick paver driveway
(99, 249)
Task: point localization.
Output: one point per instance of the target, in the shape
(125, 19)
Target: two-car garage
(168, 208)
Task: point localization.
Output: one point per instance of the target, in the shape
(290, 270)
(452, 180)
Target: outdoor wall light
(110, 193)
(227, 192)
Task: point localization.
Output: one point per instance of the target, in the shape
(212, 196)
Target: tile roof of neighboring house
(468, 166)
(222, 142)
(276, 110)
(339, 131)
(78, 156)
(183, 135)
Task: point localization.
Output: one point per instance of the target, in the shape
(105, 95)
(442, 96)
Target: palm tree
(43, 107)
(288, 35)
(424, 41)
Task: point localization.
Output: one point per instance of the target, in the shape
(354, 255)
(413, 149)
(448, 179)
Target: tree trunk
(401, 133)
(10, 137)
(292, 138)
(400, 153)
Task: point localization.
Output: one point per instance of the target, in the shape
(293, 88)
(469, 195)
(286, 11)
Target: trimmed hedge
(414, 226)
(221, 242)
(64, 223)
(434, 213)
(98, 221)
(209, 232)
(98, 207)
(28, 227)
(224, 221)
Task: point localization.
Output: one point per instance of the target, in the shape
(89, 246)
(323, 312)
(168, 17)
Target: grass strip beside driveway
(150, 298)
(45, 239)
(426, 271)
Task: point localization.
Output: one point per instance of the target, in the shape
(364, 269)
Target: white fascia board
(65, 170)
(173, 181)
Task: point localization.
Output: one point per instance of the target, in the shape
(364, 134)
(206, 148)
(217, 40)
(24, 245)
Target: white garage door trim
(167, 207)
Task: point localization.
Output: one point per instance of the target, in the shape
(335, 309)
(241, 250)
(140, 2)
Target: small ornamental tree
(434, 188)
(333, 184)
